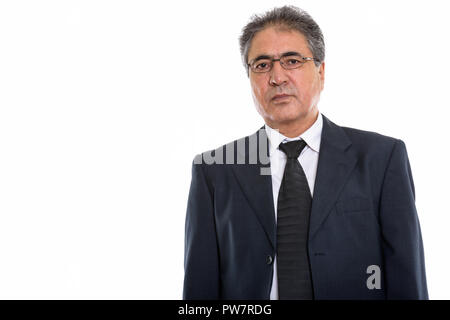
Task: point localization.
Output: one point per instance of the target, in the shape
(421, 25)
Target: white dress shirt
(308, 158)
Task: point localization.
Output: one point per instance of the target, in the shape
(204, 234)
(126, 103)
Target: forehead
(274, 41)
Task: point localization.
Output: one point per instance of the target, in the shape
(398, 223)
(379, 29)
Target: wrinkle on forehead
(277, 28)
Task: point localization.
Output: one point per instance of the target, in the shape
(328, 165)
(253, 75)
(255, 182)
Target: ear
(322, 73)
(322, 70)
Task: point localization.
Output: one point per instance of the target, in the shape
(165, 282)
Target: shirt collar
(312, 136)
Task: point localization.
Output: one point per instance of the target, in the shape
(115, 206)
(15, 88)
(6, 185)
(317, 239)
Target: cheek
(259, 92)
(307, 89)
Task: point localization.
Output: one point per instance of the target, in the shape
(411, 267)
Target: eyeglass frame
(272, 60)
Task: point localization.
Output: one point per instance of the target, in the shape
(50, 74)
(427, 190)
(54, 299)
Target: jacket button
(269, 259)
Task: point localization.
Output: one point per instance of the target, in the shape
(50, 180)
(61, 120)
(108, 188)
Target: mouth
(281, 97)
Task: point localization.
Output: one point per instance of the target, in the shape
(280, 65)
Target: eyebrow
(285, 54)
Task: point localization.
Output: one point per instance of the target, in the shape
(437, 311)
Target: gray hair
(291, 18)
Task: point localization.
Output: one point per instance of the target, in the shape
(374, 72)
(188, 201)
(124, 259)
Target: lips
(280, 96)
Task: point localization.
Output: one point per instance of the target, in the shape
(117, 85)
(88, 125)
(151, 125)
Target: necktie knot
(292, 149)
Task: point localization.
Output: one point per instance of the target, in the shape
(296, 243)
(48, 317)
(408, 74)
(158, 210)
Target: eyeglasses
(261, 65)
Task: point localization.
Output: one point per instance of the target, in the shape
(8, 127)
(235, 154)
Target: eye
(262, 65)
(293, 61)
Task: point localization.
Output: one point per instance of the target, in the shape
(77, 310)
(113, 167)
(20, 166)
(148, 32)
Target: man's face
(302, 85)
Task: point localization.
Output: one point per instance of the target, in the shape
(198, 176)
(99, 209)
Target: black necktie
(294, 207)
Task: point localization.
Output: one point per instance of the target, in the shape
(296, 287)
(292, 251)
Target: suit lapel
(336, 161)
(257, 187)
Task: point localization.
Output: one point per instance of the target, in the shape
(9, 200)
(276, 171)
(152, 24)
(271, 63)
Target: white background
(104, 104)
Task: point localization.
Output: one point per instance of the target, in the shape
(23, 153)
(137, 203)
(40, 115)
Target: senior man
(302, 208)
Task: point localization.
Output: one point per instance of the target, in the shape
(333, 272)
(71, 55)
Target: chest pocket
(353, 205)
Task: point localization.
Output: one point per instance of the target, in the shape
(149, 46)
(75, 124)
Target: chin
(276, 122)
(287, 116)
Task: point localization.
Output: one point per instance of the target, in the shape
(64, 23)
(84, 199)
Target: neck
(294, 129)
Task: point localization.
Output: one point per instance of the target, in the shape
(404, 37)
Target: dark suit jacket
(363, 214)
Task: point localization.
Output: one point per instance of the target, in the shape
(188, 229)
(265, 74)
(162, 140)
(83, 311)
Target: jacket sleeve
(404, 264)
(201, 258)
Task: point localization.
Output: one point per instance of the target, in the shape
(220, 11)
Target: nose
(277, 74)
